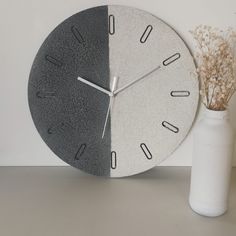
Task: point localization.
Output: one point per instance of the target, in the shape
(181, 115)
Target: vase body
(212, 163)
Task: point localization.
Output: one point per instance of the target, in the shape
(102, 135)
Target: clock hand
(107, 115)
(133, 82)
(95, 86)
(110, 104)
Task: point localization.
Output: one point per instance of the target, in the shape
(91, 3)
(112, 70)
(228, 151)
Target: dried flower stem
(216, 65)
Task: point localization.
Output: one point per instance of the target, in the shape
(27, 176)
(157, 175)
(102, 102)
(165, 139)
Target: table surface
(64, 201)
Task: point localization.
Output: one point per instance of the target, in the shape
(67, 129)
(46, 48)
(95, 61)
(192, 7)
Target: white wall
(24, 25)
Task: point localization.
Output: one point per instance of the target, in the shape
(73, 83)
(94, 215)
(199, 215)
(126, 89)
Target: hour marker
(113, 160)
(146, 34)
(146, 151)
(77, 34)
(171, 59)
(53, 60)
(180, 93)
(170, 127)
(43, 94)
(80, 151)
(53, 129)
(111, 24)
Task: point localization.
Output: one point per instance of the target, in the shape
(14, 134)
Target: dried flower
(216, 65)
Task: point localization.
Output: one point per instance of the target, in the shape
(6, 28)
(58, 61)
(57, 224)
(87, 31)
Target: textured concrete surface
(68, 114)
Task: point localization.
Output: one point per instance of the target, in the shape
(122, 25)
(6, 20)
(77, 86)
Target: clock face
(111, 92)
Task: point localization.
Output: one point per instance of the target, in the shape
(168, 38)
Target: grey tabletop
(64, 201)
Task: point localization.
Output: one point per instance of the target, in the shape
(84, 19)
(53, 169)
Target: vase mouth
(216, 114)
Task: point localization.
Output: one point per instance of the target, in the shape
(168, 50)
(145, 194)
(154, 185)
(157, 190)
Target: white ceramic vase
(212, 164)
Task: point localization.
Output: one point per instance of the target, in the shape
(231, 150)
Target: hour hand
(95, 86)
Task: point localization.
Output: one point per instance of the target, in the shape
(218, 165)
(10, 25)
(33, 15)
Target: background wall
(23, 27)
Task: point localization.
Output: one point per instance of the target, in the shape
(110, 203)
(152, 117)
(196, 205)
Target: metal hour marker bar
(146, 34)
(180, 93)
(146, 151)
(55, 128)
(111, 24)
(77, 34)
(53, 60)
(113, 160)
(43, 94)
(80, 151)
(170, 127)
(171, 59)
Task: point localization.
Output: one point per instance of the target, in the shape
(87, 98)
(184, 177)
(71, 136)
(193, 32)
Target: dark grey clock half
(144, 102)
(69, 115)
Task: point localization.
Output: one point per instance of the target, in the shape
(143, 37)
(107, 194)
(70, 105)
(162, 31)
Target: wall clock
(110, 91)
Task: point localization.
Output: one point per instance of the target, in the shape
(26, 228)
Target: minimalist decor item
(213, 135)
(110, 91)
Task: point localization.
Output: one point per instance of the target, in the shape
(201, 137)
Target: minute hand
(133, 82)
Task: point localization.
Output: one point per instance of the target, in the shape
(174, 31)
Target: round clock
(110, 91)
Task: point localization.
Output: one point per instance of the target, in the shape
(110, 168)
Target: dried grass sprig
(216, 65)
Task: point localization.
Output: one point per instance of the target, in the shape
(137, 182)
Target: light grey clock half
(111, 92)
